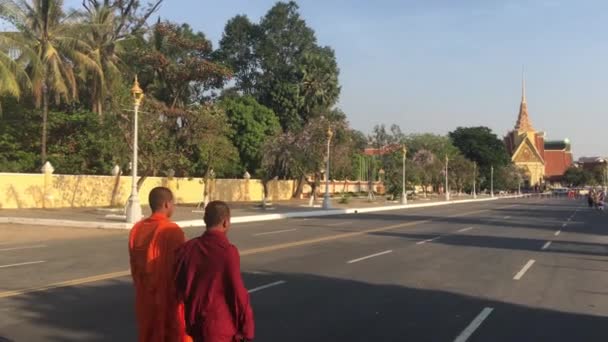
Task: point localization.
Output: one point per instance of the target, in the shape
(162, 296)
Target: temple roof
(523, 123)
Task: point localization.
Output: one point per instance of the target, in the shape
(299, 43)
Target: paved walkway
(191, 212)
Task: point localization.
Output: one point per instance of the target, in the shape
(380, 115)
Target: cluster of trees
(261, 102)
(470, 153)
(65, 78)
(577, 176)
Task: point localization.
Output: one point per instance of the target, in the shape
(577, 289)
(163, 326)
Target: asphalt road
(508, 270)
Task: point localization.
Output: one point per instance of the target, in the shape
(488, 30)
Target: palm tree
(100, 34)
(46, 30)
(13, 76)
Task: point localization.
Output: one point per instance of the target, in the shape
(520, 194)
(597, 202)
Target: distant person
(208, 277)
(152, 246)
(590, 196)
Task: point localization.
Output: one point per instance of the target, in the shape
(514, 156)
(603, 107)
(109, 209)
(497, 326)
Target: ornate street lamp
(133, 206)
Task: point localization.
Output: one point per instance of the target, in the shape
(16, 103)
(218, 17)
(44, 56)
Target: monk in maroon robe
(208, 280)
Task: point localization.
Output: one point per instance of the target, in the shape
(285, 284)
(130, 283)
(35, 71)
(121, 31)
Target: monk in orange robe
(152, 246)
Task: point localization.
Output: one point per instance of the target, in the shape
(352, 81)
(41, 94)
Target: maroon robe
(208, 280)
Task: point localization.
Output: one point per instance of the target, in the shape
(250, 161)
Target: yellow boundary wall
(64, 191)
(47, 190)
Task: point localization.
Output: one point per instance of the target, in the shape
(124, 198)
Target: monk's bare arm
(245, 324)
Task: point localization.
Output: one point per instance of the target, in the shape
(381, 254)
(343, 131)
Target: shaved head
(159, 198)
(216, 212)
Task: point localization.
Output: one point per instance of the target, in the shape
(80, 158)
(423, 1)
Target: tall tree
(130, 16)
(253, 124)
(45, 29)
(107, 25)
(175, 65)
(439, 145)
(481, 145)
(238, 50)
(14, 80)
(98, 33)
(292, 74)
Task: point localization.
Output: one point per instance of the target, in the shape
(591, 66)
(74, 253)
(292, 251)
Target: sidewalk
(190, 216)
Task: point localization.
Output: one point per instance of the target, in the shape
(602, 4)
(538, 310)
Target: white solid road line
(276, 232)
(259, 288)
(558, 232)
(22, 247)
(22, 264)
(564, 225)
(474, 325)
(369, 256)
(507, 217)
(340, 223)
(427, 240)
(465, 229)
(546, 245)
(526, 267)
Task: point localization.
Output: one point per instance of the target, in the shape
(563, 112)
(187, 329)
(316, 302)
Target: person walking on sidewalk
(208, 280)
(152, 245)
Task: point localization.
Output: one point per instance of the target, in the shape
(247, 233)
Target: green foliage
(440, 146)
(237, 50)
(576, 176)
(253, 124)
(175, 65)
(54, 52)
(279, 61)
(79, 143)
(481, 145)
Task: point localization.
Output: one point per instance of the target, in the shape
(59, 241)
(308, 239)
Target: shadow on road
(306, 308)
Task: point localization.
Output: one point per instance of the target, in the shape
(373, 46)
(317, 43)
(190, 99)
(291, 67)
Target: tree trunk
(45, 115)
(264, 192)
(99, 109)
(141, 181)
(300, 187)
(115, 190)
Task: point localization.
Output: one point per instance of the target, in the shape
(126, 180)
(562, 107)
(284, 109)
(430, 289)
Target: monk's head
(217, 216)
(161, 201)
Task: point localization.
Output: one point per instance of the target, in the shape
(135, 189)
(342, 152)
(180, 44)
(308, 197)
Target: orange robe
(152, 246)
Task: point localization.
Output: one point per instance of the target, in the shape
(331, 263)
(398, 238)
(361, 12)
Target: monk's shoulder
(171, 230)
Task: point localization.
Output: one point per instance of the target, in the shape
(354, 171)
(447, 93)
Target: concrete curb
(65, 223)
(243, 219)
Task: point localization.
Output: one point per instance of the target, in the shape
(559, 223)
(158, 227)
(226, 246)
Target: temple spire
(523, 84)
(523, 120)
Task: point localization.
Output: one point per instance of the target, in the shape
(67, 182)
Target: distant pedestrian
(208, 277)
(152, 246)
(590, 199)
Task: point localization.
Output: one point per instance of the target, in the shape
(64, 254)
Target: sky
(434, 65)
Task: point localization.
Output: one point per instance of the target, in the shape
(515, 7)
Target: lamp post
(404, 193)
(474, 179)
(447, 189)
(326, 199)
(492, 181)
(133, 206)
